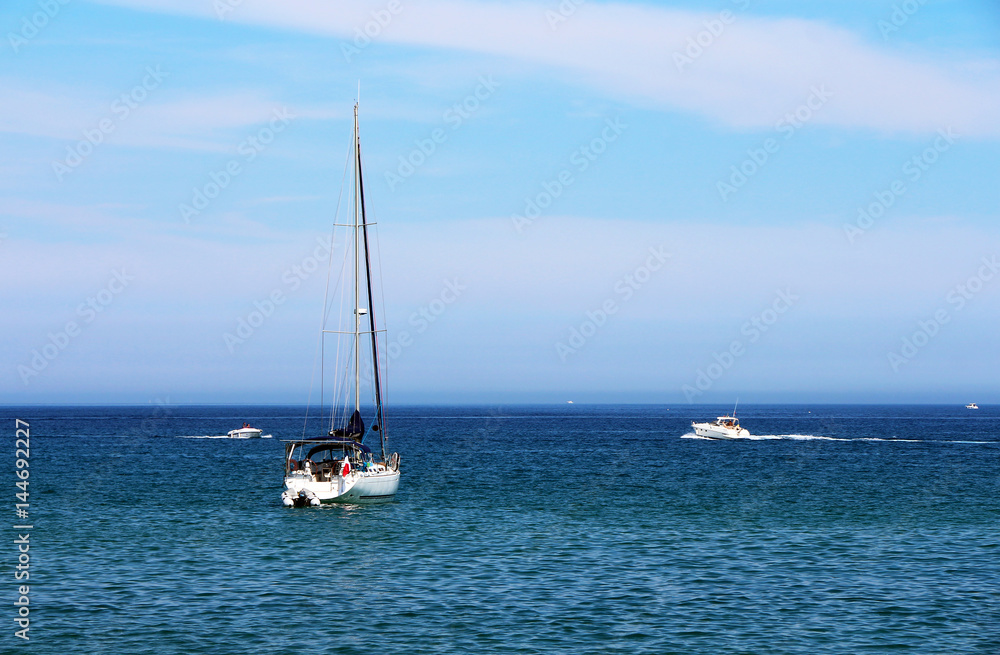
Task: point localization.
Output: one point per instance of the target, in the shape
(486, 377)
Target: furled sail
(355, 428)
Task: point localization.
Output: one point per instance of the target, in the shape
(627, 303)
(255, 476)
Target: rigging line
(382, 363)
(381, 291)
(341, 399)
(371, 308)
(341, 281)
(322, 368)
(338, 398)
(328, 304)
(336, 218)
(344, 345)
(358, 210)
(327, 298)
(312, 381)
(320, 345)
(333, 235)
(342, 295)
(379, 364)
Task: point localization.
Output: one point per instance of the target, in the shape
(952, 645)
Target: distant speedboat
(724, 427)
(972, 406)
(246, 432)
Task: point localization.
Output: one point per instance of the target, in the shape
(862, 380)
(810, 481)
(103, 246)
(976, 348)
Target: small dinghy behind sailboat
(340, 467)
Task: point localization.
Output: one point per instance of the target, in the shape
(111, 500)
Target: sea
(517, 529)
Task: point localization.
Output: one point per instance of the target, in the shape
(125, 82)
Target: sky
(685, 202)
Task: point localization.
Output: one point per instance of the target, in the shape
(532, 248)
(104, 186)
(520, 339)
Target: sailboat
(339, 466)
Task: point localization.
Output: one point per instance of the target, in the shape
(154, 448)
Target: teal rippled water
(568, 529)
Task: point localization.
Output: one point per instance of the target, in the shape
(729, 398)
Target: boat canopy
(355, 428)
(334, 444)
(327, 443)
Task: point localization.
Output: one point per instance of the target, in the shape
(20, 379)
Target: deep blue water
(549, 529)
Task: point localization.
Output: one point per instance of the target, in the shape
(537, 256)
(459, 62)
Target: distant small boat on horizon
(972, 406)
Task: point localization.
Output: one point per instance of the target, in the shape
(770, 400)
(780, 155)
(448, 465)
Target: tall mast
(357, 265)
(379, 418)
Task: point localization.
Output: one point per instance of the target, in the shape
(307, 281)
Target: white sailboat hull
(357, 487)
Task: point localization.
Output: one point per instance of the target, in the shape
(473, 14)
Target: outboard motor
(302, 499)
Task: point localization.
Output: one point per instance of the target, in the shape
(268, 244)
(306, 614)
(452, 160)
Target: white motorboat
(972, 406)
(338, 467)
(724, 427)
(246, 432)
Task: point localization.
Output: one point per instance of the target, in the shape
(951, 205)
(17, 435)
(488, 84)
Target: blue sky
(739, 141)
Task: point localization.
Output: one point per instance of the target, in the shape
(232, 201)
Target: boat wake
(221, 436)
(772, 437)
(813, 437)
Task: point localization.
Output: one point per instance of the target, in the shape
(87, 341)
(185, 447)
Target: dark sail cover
(355, 428)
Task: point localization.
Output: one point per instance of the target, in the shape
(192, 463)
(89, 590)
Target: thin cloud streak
(207, 123)
(753, 73)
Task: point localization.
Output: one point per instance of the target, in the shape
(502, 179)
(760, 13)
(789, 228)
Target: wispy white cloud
(52, 222)
(283, 200)
(191, 122)
(751, 74)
